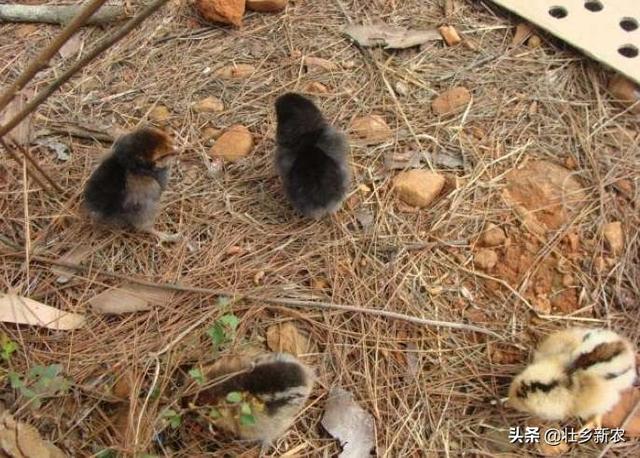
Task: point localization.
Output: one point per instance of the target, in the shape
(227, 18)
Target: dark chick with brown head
(311, 157)
(124, 191)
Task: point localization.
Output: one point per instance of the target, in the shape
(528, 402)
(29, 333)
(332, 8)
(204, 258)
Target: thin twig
(102, 46)
(37, 166)
(272, 300)
(16, 158)
(41, 61)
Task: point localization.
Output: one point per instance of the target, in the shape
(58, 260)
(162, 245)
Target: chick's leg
(164, 237)
(594, 423)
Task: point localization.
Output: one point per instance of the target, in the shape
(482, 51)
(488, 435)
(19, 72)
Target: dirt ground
(542, 153)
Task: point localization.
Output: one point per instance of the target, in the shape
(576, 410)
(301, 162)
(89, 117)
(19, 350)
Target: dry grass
(417, 264)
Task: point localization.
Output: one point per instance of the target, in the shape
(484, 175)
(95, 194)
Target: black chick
(270, 390)
(311, 157)
(124, 191)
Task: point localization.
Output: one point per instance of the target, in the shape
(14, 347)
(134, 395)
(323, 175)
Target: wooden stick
(78, 130)
(102, 46)
(58, 14)
(272, 300)
(42, 60)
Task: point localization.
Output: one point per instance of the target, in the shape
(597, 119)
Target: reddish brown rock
(266, 6)
(223, 11)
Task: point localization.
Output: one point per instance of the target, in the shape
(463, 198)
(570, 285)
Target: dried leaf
(159, 114)
(286, 338)
(21, 134)
(614, 235)
(615, 418)
(19, 439)
(451, 101)
(129, 298)
(62, 151)
(315, 87)
(413, 362)
(124, 385)
(26, 30)
(353, 426)
(399, 161)
(22, 310)
(71, 47)
(209, 105)
(391, 37)
(238, 71)
(74, 256)
(319, 62)
(448, 160)
(365, 218)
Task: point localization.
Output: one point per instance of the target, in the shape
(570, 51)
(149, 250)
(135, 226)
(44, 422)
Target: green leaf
(8, 348)
(175, 422)
(36, 371)
(52, 371)
(234, 397)
(174, 418)
(217, 334)
(247, 420)
(15, 381)
(214, 413)
(197, 375)
(155, 394)
(245, 408)
(230, 321)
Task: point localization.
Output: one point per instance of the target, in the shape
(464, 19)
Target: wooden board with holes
(607, 30)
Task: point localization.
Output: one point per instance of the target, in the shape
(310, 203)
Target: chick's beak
(167, 158)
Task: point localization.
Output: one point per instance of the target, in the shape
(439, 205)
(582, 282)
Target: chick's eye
(522, 391)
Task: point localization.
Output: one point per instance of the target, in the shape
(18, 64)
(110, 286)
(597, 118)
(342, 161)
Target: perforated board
(607, 30)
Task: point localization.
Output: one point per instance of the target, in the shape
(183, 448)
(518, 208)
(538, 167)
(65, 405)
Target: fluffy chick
(575, 373)
(124, 191)
(275, 385)
(311, 157)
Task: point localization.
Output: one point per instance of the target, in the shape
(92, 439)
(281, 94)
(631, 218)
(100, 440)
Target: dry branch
(279, 301)
(57, 14)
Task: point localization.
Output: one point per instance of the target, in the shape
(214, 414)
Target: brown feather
(602, 353)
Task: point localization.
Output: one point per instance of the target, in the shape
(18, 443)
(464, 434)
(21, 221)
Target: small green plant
(7, 347)
(246, 413)
(173, 417)
(41, 382)
(107, 453)
(223, 330)
(197, 375)
(234, 397)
